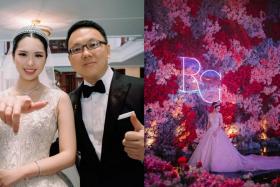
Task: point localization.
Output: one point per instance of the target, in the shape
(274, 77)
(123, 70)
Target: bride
(217, 153)
(25, 143)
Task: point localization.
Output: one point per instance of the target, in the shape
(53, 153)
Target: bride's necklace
(28, 92)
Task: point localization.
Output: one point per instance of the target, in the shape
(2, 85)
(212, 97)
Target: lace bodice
(33, 140)
(214, 120)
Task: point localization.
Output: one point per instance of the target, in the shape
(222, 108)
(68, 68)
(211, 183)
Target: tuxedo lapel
(117, 95)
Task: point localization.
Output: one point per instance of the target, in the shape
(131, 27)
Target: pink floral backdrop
(239, 41)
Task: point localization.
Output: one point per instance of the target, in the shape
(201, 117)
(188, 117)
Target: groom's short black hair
(85, 23)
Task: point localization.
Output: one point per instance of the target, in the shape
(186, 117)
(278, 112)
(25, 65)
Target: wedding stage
(198, 53)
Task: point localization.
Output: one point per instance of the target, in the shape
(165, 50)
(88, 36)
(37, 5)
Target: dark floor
(257, 176)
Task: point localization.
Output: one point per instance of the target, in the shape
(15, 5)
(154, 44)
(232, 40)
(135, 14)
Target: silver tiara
(32, 29)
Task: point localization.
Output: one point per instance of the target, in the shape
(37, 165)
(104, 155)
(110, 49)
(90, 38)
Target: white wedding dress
(35, 136)
(217, 153)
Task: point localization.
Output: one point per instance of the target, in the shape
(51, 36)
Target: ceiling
(118, 18)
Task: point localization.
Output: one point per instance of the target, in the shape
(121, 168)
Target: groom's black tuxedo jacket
(115, 168)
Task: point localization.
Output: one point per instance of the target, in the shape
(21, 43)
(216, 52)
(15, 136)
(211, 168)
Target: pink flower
(276, 181)
(186, 167)
(199, 164)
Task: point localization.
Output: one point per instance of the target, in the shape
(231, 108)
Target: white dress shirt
(94, 112)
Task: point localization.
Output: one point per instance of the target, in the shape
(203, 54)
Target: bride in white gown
(25, 143)
(217, 153)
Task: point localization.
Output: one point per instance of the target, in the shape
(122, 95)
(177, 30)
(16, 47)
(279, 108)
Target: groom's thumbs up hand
(136, 123)
(134, 140)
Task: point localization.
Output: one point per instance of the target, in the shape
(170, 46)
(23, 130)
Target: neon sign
(207, 85)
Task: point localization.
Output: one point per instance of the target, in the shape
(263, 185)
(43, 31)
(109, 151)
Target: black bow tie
(98, 87)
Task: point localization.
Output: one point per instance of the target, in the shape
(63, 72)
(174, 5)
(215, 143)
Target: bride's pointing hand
(11, 108)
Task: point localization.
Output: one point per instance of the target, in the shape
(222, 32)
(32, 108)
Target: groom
(111, 148)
